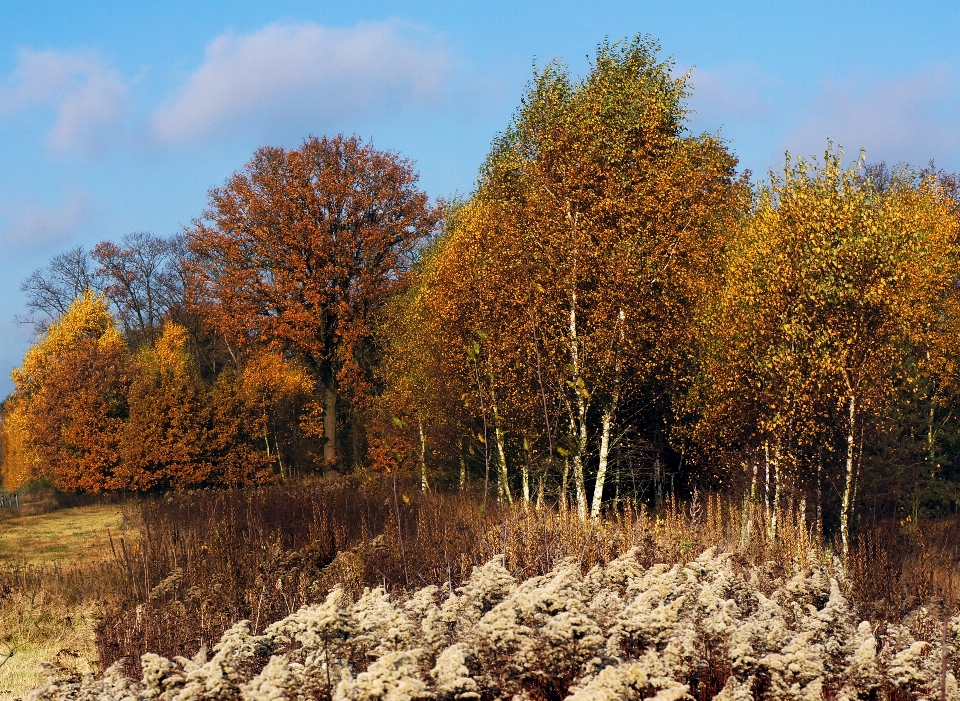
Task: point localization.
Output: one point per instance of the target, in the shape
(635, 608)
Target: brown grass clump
(42, 626)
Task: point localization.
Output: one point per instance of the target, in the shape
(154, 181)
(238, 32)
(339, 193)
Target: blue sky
(119, 116)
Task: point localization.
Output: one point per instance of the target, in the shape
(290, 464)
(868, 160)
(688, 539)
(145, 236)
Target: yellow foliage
(171, 349)
(88, 317)
(27, 413)
(271, 378)
(19, 458)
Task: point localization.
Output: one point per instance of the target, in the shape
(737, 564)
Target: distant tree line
(613, 314)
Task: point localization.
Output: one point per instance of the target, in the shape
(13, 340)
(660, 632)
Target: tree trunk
(602, 468)
(608, 423)
(580, 487)
(502, 475)
(279, 454)
(424, 484)
(749, 500)
(463, 468)
(525, 482)
(330, 424)
(563, 485)
(846, 510)
(775, 514)
(766, 484)
(818, 525)
(578, 420)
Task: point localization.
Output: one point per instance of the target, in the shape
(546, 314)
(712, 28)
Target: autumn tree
(414, 415)
(297, 252)
(51, 290)
(839, 291)
(69, 404)
(276, 391)
(141, 278)
(136, 274)
(574, 266)
(168, 432)
(183, 432)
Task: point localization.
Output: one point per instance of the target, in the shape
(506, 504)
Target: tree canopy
(612, 314)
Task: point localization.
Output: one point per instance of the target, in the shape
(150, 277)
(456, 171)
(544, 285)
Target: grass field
(69, 535)
(38, 624)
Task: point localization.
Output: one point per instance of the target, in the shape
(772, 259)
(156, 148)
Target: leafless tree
(50, 290)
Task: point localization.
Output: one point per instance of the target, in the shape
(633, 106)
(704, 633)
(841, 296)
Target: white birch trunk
(563, 485)
(502, 460)
(775, 514)
(766, 484)
(818, 525)
(525, 483)
(845, 512)
(279, 454)
(424, 484)
(578, 422)
(602, 468)
(502, 473)
(608, 424)
(579, 487)
(749, 500)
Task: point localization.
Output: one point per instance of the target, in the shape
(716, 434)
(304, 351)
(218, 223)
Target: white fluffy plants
(619, 632)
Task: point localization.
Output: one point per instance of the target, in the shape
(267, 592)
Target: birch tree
(835, 288)
(582, 249)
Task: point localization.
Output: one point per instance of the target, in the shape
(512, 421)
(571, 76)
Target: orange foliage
(299, 250)
(71, 398)
(180, 432)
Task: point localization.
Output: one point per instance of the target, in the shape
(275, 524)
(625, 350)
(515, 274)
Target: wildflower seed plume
(695, 631)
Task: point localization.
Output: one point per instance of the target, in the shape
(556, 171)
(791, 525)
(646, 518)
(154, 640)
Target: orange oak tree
(298, 251)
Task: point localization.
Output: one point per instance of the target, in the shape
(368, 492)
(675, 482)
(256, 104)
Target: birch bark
(424, 484)
(578, 418)
(608, 423)
(845, 512)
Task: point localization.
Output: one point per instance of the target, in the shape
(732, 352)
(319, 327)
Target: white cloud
(912, 118)
(305, 75)
(88, 96)
(33, 225)
(734, 91)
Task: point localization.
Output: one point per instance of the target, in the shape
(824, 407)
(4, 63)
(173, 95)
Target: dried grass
(192, 565)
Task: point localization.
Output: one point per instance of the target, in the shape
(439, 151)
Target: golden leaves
(87, 318)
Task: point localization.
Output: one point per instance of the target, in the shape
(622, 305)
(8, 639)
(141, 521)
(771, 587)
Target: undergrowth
(194, 565)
